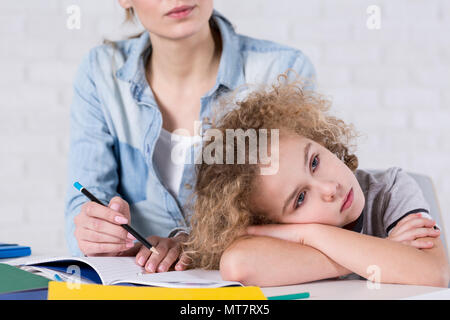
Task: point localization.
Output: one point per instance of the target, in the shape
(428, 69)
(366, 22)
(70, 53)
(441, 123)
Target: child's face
(308, 192)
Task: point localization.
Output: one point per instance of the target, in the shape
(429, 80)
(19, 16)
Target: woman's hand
(98, 229)
(410, 229)
(169, 250)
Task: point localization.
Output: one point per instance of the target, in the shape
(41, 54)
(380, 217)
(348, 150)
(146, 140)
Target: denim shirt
(115, 123)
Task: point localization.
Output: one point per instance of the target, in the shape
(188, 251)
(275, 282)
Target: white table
(351, 290)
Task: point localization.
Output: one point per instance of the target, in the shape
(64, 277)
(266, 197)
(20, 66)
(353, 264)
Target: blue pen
(58, 278)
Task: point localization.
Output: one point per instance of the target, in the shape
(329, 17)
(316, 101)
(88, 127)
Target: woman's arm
(91, 154)
(266, 261)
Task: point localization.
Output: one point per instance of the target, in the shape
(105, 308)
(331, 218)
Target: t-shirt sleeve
(403, 197)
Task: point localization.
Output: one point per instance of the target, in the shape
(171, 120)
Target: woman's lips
(348, 200)
(180, 12)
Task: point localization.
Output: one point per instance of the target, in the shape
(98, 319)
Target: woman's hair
(129, 19)
(221, 207)
(129, 15)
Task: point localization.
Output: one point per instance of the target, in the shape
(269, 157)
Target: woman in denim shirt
(129, 97)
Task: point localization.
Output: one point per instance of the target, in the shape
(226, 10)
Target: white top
(170, 156)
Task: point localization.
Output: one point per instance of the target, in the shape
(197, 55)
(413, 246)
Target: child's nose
(329, 190)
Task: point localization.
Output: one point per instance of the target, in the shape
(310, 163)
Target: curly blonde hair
(221, 208)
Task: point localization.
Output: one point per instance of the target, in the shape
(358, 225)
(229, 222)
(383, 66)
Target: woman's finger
(103, 226)
(131, 252)
(120, 205)
(142, 256)
(171, 257)
(91, 248)
(95, 236)
(144, 253)
(154, 260)
(183, 262)
(95, 210)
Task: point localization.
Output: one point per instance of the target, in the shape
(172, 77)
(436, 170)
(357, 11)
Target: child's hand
(169, 251)
(410, 229)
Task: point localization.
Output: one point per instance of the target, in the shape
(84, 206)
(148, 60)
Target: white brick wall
(392, 83)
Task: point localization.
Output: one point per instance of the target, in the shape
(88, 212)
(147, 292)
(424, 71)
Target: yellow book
(65, 291)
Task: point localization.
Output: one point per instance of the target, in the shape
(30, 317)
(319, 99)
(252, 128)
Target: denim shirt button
(188, 186)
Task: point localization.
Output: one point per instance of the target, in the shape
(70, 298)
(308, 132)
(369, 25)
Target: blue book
(38, 294)
(13, 251)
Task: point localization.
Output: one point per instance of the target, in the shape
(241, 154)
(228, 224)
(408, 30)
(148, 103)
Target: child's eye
(315, 163)
(300, 199)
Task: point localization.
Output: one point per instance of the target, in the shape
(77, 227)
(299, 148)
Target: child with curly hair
(317, 216)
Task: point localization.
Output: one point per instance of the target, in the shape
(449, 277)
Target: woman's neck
(195, 58)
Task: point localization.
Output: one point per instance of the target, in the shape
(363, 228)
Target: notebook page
(195, 278)
(112, 269)
(116, 270)
(109, 269)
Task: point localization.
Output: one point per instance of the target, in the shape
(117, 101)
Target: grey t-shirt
(390, 196)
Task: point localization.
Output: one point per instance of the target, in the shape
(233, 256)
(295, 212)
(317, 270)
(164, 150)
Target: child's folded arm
(267, 261)
(396, 262)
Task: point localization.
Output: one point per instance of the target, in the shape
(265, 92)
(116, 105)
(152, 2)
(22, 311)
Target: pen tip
(78, 185)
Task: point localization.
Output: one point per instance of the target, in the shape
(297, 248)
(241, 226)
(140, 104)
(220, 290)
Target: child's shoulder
(389, 195)
(392, 187)
(392, 184)
(381, 178)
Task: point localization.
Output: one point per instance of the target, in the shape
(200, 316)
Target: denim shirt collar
(231, 67)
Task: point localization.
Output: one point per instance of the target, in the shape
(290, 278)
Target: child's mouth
(348, 200)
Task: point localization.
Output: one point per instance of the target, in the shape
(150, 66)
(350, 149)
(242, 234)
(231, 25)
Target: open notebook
(120, 270)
